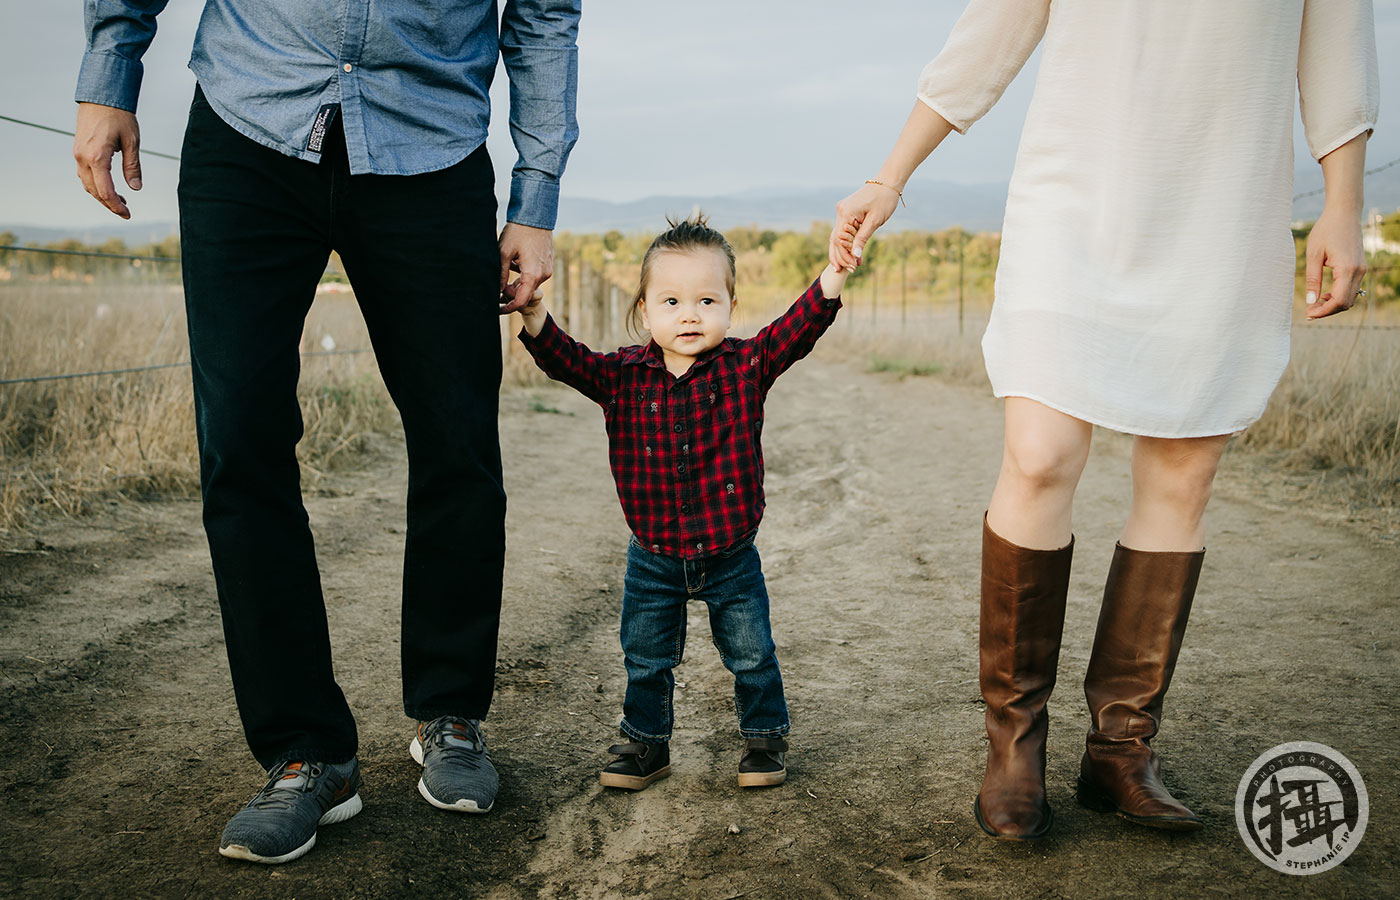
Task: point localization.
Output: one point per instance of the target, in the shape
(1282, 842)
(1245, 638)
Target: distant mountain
(934, 205)
(136, 234)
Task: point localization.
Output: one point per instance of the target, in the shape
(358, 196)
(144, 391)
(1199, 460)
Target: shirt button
(678, 427)
(685, 507)
(347, 67)
(681, 468)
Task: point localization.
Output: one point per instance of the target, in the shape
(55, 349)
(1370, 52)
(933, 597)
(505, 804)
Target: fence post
(874, 291)
(904, 288)
(613, 315)
(962, 239)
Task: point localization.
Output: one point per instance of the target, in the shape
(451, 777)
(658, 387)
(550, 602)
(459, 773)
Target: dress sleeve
(987, 47)
(1338, 82)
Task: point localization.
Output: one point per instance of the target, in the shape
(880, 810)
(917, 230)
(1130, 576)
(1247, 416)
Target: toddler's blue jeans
(653, 638)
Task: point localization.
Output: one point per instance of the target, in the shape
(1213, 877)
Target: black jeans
(257, 228)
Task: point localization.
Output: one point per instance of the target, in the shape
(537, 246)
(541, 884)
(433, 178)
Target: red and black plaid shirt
(685, 451)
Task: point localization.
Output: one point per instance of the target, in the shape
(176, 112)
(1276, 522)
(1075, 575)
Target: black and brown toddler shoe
(637, 765)
(762, 763)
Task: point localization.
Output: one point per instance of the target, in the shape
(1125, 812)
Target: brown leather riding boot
(1145, 605)
(1023, 615)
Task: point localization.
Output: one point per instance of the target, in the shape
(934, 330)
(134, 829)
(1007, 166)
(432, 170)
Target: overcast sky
(674, 98)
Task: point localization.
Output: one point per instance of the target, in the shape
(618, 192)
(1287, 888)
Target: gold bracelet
(891, 187)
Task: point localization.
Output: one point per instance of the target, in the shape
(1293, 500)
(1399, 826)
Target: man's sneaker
(457, 773)
(762, 763)
(279, 824)
(637, 765)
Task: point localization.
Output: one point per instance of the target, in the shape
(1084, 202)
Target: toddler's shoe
(279, 823)
(637, 765)
(457, 773)
(762, 763)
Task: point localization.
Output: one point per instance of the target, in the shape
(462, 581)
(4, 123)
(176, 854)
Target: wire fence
(586, 299)
(175, 365)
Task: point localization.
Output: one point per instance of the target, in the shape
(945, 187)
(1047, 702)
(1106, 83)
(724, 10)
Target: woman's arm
(1338, 92)
(1335, 239)
(986, 48)
(867, 209)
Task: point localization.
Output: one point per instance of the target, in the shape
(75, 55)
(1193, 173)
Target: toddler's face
(687, 304)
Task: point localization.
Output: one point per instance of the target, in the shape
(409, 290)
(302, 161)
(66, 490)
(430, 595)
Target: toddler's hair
(688, 234)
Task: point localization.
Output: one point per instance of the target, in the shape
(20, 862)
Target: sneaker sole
(632, 782)
(338, 813)
(762, 779)
(415, 750)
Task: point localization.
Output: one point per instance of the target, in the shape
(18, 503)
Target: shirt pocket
(651, 409)
(720, 402)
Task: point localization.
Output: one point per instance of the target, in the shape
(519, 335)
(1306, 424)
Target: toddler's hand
(833, 280)
(533, 312)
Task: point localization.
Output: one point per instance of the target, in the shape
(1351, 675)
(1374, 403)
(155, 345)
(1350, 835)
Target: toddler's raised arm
(792, 335)
(595, 375)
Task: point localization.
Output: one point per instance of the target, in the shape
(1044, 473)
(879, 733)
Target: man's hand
(529, 251)
(101, 132)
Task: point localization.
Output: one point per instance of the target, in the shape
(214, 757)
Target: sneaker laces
(284, 784)
(457, 739)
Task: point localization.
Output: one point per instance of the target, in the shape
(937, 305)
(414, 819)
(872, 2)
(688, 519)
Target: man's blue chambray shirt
(411, 79)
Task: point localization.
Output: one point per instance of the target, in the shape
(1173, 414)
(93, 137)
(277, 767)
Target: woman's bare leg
(1041, 462)
(1171, 486)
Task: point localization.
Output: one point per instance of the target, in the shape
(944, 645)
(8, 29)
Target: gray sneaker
(279, 823)
(457, 773)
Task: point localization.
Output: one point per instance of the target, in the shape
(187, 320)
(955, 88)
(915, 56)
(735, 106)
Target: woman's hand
(1335, 239)
(1334, 243)
(857, 217)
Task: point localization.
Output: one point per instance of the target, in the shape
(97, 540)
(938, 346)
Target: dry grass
(67, 444)
(1335, 417)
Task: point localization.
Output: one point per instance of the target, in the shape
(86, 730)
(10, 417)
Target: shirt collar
(649, 354)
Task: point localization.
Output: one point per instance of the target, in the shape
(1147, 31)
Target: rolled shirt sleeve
(118, 34)
(539, 48)
(988, 45)
(1338, 80)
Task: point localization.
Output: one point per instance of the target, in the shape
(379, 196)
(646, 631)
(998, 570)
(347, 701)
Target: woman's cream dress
(1146, 274)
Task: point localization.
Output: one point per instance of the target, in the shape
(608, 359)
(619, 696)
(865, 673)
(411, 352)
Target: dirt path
(121, 755)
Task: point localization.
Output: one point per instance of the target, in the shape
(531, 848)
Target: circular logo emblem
(1301, 808)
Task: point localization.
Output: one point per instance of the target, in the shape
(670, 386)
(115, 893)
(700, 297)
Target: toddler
(684, 413)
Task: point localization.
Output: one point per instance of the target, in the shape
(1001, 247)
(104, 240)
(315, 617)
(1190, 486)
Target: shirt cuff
(533, 202)
(823, 301)
(546, 337)
(110, 80)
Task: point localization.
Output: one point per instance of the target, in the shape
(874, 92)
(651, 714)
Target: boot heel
(1091, 797)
